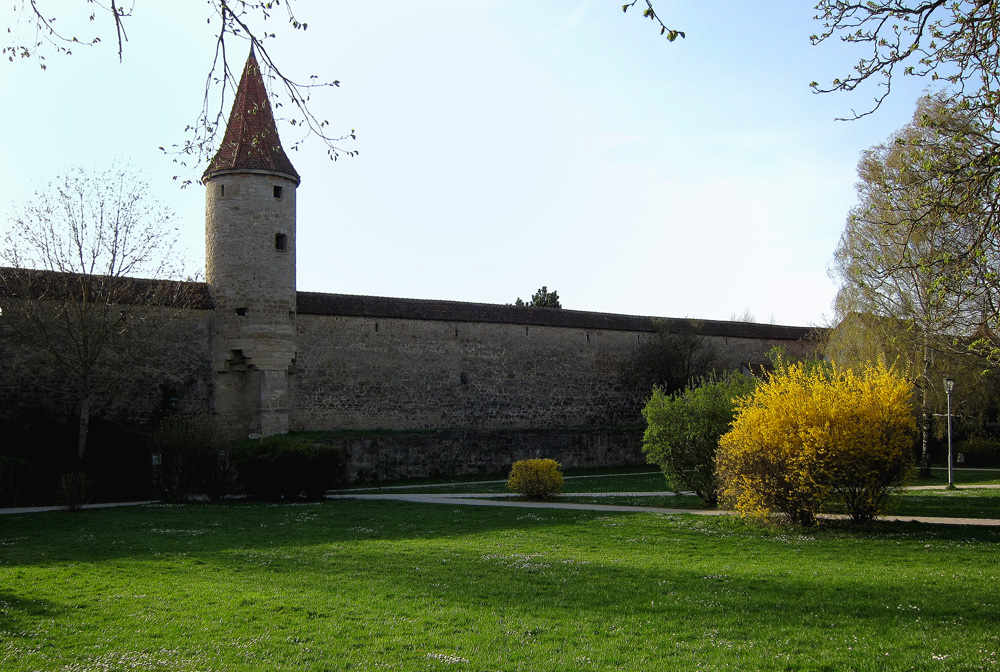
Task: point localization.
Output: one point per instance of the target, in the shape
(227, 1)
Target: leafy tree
(904, 261)
(69, 295)
(954, 43)
(809, 434)
(543, 298)
(683, 431)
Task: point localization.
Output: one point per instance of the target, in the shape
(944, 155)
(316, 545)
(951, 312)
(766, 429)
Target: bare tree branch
(651, 14)
(69, 292)
(244, 20)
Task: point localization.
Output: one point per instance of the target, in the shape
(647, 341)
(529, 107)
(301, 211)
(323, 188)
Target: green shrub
(74, 489)
(195, 456)
(683, 430)
(811, 435)
(977, 451)
(535, 479)
(288, 468)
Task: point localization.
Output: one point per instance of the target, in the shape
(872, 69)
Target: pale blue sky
(508, 145)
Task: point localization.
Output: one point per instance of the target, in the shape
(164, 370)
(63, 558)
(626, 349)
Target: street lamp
(949, 385)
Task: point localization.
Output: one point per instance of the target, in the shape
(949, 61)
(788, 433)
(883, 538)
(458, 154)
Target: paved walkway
(38, 509)
(509, 501)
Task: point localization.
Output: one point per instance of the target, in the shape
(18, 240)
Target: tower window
(277, 191)
(222, 190)
(280, 241)
(242, 312)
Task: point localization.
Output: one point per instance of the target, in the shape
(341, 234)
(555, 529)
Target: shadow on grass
(397, 571)
(19, 616)
(96, 535)
(149, 531)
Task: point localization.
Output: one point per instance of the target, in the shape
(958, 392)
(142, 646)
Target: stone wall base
(487, 452)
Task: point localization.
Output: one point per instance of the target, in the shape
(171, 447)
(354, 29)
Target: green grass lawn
(939, 476)
(966, 502)
(375, 585)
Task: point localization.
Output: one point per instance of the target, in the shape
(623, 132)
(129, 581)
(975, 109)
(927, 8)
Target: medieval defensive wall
(425, 387)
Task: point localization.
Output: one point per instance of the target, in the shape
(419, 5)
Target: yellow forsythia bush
(811, 435)
(536, 479)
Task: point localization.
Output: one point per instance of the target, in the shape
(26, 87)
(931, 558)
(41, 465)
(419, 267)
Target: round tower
(250, 263)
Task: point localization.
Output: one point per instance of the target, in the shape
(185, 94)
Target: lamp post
(949, 385)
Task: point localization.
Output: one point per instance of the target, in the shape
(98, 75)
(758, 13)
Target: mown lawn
(366, 585)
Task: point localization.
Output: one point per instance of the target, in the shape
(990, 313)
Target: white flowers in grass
(445, 658)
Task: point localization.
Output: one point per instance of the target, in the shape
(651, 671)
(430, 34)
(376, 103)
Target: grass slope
(370, 585)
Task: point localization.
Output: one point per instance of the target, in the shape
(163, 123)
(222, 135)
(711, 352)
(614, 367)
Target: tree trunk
(81, 441)
(925, 430)
(925, 416)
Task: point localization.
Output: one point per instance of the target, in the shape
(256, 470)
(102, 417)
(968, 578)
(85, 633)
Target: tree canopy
(915, 266)
(954, 173)
(948, 40)
(543, 298)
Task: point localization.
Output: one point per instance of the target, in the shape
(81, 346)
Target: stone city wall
(497, 383)
(469, 452)
(164, 356)
(472, 387)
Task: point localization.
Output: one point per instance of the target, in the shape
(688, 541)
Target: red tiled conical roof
(251, 141)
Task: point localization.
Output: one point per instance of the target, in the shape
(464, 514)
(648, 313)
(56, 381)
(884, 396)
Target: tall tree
(956, 43)
(69, 292)
(907, 274)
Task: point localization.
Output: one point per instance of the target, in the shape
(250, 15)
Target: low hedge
(289, 468)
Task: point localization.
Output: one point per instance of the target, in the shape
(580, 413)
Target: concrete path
(508, 500)
(39, 509)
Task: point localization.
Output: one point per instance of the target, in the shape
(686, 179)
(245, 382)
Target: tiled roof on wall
(316, 303)
(51, 285)
(196, 295)
(251, 141)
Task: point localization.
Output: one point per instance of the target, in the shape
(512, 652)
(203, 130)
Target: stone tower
(250, 263)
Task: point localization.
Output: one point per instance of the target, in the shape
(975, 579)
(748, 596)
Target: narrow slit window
(222, 190)
(277, 191)
(280, 242)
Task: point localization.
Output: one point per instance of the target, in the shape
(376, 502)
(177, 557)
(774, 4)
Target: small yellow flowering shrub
(536, 479)
(810, 435)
